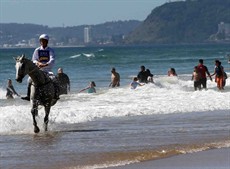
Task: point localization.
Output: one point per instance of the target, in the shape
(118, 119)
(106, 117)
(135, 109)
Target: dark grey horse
(42, 88)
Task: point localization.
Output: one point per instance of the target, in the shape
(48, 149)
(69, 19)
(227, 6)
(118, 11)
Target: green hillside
(189, 21)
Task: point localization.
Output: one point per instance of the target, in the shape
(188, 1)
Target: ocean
(116, 126)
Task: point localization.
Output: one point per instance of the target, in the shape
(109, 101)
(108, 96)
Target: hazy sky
(55, 13)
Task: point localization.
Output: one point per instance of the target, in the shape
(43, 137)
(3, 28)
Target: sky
(59, 13)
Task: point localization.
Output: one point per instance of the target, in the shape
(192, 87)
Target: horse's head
(21, 69)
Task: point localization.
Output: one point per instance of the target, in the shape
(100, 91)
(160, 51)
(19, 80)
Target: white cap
(44, 36)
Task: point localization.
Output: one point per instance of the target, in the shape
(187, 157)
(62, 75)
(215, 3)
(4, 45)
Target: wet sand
(210, 159)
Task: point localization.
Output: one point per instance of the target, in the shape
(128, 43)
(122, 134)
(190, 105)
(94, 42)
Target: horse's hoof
(36, 129)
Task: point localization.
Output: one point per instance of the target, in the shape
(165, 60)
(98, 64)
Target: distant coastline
(120, 45)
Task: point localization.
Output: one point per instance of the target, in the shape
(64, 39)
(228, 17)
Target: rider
(44, 58)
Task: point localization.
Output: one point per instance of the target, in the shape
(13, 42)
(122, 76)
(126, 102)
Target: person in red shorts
(218, 71)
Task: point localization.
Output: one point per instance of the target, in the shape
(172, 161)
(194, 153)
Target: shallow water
(115, 141)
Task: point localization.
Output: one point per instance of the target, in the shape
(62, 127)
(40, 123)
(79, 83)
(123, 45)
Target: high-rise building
(87, 37)
(224, 28)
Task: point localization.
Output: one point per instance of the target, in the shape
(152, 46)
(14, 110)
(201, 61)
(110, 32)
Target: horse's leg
(46, 119)
(34, 112)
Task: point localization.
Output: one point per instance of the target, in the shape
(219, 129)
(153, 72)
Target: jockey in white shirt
(44, 58)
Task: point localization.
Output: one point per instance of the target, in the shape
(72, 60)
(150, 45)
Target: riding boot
(57, 93)
(28, 93)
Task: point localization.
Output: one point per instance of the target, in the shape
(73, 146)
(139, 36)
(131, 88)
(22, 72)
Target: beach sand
(210, 159)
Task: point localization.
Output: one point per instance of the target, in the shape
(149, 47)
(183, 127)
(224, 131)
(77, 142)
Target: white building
(224, 28)
(87, 37)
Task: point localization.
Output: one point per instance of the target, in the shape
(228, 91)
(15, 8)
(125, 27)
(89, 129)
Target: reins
(32, 70)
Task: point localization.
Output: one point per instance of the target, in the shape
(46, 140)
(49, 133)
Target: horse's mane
(26, 60)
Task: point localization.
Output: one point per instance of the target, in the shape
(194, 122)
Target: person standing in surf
(142, 75)
(203, 71)
(196, 76)
(219, 72)
(115, 78)
(44, 58)
(64, 81)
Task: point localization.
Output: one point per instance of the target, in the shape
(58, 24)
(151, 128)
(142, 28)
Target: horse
(42, 88)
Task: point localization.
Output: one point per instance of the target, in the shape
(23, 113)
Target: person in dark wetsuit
(142, 75)
(64, 82)
(10, 91)
(203, 71)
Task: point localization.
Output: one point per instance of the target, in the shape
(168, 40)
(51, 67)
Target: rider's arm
(35, 57)
(52, 58)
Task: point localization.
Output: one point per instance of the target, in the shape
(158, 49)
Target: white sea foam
(100, 50)
(167, 95)
(75, 56)
(2, 93)
(88, 55)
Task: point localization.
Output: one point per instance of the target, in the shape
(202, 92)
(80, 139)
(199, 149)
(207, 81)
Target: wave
(75, 56)
(88, 55)
(100, 50)
(165, 96)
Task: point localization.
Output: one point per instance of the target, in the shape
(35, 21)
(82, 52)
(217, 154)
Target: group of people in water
(115, 82)
(200, 74)
(44, 58)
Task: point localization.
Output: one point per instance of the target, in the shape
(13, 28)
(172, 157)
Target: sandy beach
(210, 159)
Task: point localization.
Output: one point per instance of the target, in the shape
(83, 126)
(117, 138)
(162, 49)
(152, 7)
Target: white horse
(42, 88)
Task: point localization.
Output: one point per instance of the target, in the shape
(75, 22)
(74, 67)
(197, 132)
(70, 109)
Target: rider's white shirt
(51, 61)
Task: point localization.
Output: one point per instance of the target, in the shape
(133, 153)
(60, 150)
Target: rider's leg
(56, 86)
(27, 97)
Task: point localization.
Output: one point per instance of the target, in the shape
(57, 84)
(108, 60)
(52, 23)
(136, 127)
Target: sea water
(117, 126)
